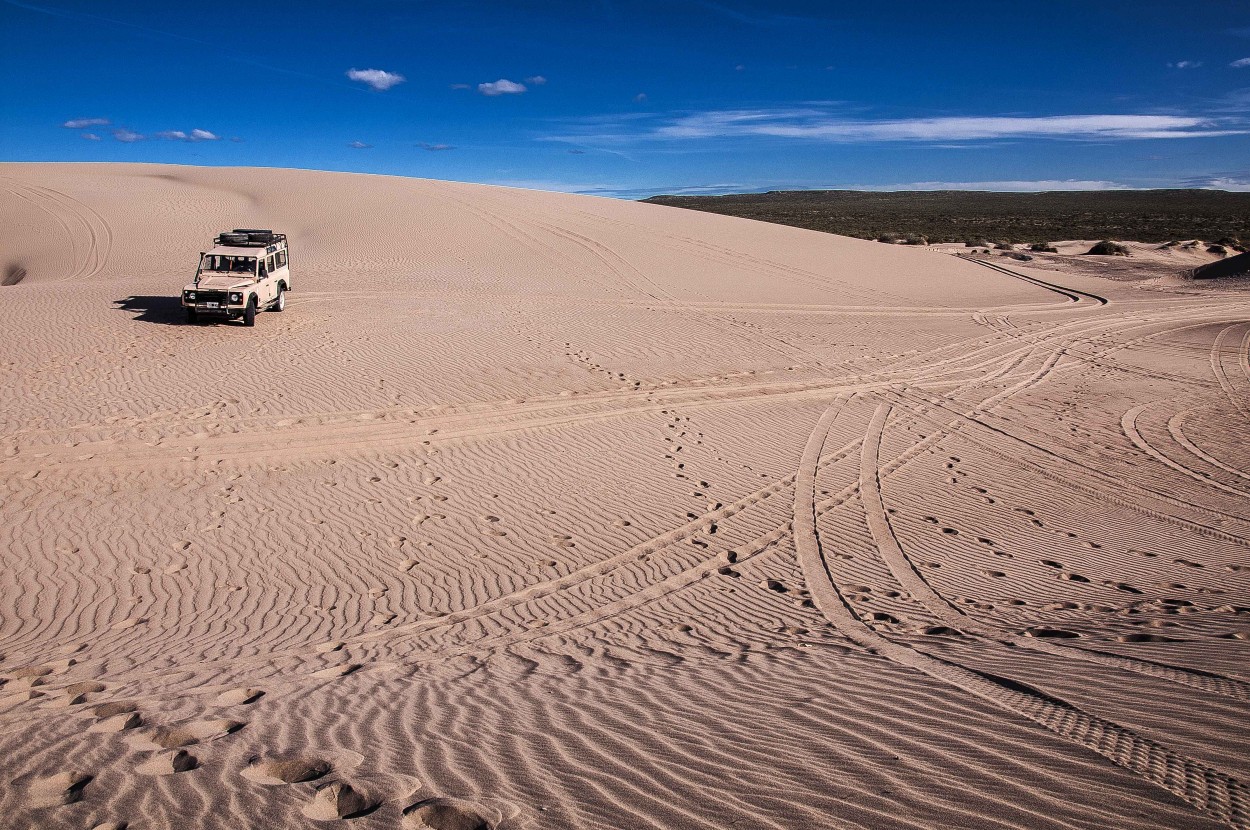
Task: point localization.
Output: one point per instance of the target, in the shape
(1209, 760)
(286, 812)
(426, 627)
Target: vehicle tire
(249, 313)
(192, 317)
(279, 302)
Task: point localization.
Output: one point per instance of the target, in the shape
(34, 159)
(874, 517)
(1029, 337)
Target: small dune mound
(168, 763)
(1107, 248)
(30, 671)
(336, 801)
(1233, 266)
(450, 814)
(55, 790)
(275, 771)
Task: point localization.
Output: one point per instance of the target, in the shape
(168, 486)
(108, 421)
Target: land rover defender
(245, 271)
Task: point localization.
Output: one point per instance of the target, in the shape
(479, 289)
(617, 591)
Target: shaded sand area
(542, 511)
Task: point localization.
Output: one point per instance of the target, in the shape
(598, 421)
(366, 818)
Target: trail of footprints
(1161, 605)
(184, 746)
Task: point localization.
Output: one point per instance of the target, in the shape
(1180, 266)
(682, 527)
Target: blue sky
(636, 98)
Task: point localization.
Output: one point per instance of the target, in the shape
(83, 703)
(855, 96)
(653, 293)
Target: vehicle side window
(282, 259)
(271, 267)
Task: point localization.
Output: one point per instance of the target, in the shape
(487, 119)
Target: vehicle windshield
(229, 264)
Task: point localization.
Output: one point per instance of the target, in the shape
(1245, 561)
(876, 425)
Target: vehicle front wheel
(249, 313)
(192, 317)
(279, 302)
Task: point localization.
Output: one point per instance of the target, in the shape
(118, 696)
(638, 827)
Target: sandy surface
(542, 511)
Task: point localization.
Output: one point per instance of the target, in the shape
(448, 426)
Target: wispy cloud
(180, 135)
(435, 148)
(501, 87)
(536, 80)
(379, 79)
(359, 145)
(815, 124)
(127, 136)
(640, 98)
(1009, 186)
(81, 123)
(462, 86)
(1221, 181)
(1240, 63)
(1185, 64)
(91, 137)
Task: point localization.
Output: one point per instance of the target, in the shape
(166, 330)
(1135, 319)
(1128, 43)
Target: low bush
(1043, 248)
(1107, 248)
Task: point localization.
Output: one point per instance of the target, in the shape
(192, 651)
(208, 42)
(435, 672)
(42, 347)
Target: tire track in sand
(906, 574)
(1214, 792)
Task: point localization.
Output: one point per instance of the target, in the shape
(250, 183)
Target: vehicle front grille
(212, 297)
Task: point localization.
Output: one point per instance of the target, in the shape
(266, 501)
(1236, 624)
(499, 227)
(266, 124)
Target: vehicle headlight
(190, 296)
(236, 298)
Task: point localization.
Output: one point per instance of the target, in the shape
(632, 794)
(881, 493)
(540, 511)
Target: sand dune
(544, 511)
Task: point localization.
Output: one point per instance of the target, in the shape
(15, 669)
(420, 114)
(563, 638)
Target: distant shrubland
(968, 216)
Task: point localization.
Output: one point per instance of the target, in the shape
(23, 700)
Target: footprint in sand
(452, 814)
(336, 671)
(238, 697)
(192, 732)
(277, 771)
(337, 801)
(55, 790)
(116, 723)
(168, 763)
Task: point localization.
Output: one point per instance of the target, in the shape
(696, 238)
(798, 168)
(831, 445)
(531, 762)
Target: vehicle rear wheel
(249, 313)
(279, 302)
(192, 317)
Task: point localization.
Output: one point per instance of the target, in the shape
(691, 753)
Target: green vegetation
(1107, 248)
(964, 216)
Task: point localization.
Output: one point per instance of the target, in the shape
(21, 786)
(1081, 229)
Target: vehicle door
(265, 283)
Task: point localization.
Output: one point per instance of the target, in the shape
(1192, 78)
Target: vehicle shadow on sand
(167, 311)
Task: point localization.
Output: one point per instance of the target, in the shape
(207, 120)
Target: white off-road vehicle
(246, 270)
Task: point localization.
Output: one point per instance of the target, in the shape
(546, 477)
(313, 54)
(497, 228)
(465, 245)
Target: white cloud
(820, 126)
(80, 123)
(1185, 64)
(359, 145)
(501, 87)
(1240, 63)
(536, 80)
(1238, 183)
(434, 148)
(181, 135)
(128, 136)
(91, 136)
(640, 98)
(1009, 186)
(379, 79)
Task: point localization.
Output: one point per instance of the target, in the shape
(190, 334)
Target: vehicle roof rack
(249, 238)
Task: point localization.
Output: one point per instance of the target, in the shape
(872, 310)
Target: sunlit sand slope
(544, 511)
